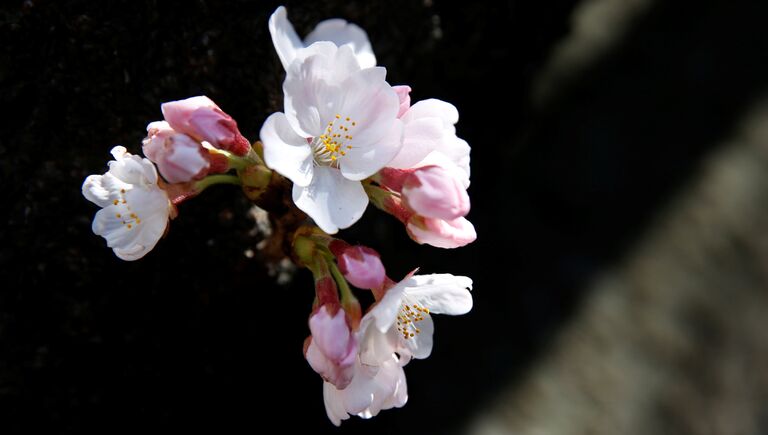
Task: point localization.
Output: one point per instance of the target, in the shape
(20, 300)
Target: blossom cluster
(345, 138)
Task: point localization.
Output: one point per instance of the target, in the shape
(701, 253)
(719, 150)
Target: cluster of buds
(346, 138)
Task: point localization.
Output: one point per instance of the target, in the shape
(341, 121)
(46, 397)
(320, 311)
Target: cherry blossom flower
(332, 349)
(179, 158)
(373, 389)
(340, 126)
(402, 320)
(289, 46)
(135, 210)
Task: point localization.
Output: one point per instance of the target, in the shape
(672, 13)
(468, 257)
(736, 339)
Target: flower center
(329, 147)
(407, 319)
(128, 218)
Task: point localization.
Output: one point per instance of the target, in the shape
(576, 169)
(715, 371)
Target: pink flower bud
(333, 348)
(404, 94)
(433, 192)
(362, 267)
(202, 119)
(178, 157)
(441, 233)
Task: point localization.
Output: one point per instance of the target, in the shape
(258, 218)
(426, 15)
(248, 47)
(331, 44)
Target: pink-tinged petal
(285, 151)
(342, 33)
(178, 113)
(332, 335)
(433, 192)
(437, 158)
(420, 137)
(331, 371)
(441, 234)
(362, 267)
(434, 108)
(202, 119)
(333, 201)
(404, 94)
(179, 158)
(284, 37)
(442, 293)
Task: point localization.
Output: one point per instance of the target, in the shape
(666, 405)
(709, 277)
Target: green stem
(217, 179)
(346, 292)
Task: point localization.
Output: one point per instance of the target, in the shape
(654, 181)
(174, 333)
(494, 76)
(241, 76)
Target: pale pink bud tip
(433, 192)
(333, 348)
(362, 267)
(441, 233)
(202, 119)
(404, 94)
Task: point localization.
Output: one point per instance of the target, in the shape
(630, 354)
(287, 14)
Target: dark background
(194, 335)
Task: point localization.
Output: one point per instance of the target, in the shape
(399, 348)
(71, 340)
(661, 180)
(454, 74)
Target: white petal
(420, 345)
(420, 137)
(94, 191)
(386, 383)
(376, 346)
(385, 311)
(441, 293)
(334, 407)
(312, 86)
(400, 397)
(359, 393)
(284, 37)
(362, 162)
(132, 169)
(342, 33)
(370, 102)
(331, 200)
(285, 151)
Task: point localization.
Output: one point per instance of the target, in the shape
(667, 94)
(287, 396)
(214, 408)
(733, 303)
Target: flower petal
(363, 161)
(285, 151)
(370, 102)
(433, 108)
(342, 33)
(457, 167)
(420, 137)
(441, 293)
(334, 406)
(385, 311)
(441, 233)
(94, 191)
(284, 37)
(312, 85)
(419, 346)
(333, 201)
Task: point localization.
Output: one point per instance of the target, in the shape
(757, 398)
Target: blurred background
(619, 188)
